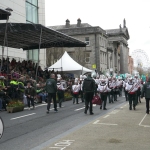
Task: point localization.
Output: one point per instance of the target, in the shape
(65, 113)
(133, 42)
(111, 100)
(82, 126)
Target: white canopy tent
(68, 65)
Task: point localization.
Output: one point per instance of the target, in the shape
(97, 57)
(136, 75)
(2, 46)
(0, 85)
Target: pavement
(70, 129)
(119, 129)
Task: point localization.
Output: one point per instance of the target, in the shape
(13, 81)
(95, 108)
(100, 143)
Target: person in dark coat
(31, 94)
(146, 94)
(88, 89)
(51, 89)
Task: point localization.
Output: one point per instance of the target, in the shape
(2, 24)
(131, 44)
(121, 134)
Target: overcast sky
(108, 14)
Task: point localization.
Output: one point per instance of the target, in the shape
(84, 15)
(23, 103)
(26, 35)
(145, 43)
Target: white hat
(84, 76)
(58, 76)
(93, 74)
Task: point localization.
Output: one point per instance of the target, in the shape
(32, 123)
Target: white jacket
(76, 88)
(130, 86)
(103, 88)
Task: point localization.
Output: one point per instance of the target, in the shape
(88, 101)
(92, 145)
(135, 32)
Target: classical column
(97, 58)
(123, 59)
(113, 60)
(107, 60)
(117, 60)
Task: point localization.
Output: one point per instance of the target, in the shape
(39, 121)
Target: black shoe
(101, 107)
(134, 107)
(104, 109)
(130, 108)
(47, 112)
(55, 110)
(77, 103)
(140, 101)
(91, 113)
(85, 111)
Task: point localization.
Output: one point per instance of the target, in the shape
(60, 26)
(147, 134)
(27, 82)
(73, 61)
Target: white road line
(145, 126)
(108, 124)
(96, 122)
(79, 109)
(37, 106)
(142, 120)
(114, 112)
(106, 116)
(22, 116)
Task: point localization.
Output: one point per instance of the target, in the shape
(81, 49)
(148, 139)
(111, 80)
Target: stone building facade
(130, 65)
(106, 49)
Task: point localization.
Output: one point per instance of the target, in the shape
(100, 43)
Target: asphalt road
(29, 129)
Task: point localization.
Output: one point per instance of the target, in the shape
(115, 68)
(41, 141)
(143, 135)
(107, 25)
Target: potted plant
(15, 106)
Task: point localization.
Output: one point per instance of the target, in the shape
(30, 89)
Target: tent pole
(38, 54)
(61, 66)
(4, 43)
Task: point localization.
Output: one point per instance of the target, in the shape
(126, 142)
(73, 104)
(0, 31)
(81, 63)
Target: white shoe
(28, 108)
(43, 102)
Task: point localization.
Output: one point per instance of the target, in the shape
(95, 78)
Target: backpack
(88, 85)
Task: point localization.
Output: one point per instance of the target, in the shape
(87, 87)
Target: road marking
(22, 116)
(42, 105)
(114, 112)
(96, 122)
(37, 106)
(82, 108)
(145, 126)
(79, 109)
(142, 120)
(62, 145)
(140, 124)
(108, 124)
(106, 116)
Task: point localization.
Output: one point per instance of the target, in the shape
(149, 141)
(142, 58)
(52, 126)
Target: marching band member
(138, 92)
(103, 89)
(75, 90)
(60, 91)
(131, 88)
(120, 85)
(109, 83)
(113, 87)
(124, 86)
(81, 89)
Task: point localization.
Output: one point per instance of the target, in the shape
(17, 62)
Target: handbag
(96, 100)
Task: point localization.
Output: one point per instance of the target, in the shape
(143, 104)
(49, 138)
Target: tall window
(87, 41)
(87, 57)
(32, 17)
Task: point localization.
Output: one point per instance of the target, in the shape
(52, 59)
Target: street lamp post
(5, 36)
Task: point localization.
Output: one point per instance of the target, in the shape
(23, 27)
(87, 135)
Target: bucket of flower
(15, 106)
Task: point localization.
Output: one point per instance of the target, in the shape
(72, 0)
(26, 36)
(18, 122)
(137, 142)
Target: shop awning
(4, 14)
(27, 37)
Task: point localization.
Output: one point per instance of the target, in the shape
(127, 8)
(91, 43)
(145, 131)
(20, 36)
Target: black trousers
(49, 100)
(88, 100)
(132, 99)
(82, 96)
(104, 99)
(147, 104)
(30, 100)
(126, 94)
(60, 95)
